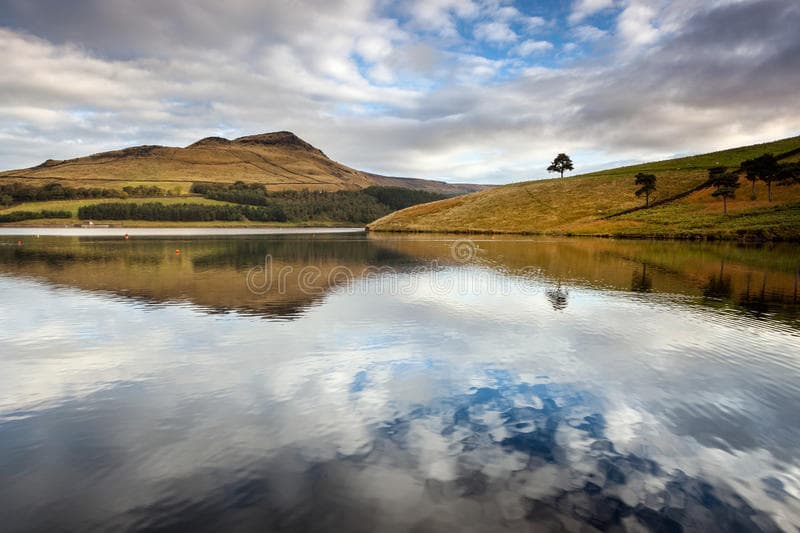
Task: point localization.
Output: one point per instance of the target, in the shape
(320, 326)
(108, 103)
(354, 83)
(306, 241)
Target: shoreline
(746, 237)
(74, 223)
(174, 231)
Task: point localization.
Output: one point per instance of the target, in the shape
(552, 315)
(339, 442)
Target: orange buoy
(177, 251)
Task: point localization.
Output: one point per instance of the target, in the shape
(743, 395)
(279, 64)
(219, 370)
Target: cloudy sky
(466, 90)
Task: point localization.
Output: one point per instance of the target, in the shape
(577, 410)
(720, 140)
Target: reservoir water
(343, 381)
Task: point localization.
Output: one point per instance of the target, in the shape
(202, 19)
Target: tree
(714, 172)
(725, 185)
(751, 176)
(765, 168)
(561, 163)
(6, 200)
(788, 174)
(648, 185)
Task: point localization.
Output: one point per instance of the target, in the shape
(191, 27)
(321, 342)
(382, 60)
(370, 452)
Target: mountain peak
(279, 138)
(209, 141)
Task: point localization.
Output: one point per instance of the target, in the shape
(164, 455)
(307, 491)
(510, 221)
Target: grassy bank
(50, 223)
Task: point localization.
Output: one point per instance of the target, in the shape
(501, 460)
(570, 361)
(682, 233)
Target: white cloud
(507, 13)
(533, 23)
(532, 47)
(374, 47)
(511, 15)
(588, 33)
(582, 9)
(441, 15)
(635, 23)
(496, 32)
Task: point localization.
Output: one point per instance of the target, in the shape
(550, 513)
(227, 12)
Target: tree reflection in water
(641, 281)
(558, 297)
(719, 286)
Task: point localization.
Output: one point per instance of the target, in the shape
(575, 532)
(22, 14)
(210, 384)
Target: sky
(482, 91)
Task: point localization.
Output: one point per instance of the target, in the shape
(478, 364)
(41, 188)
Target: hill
(279, 160)
(580, 204)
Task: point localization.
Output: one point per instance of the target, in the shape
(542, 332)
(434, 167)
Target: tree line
(156, 211)
(19, 216)
(358, 207)
(765, 168)
(12, 193)
(255, 203)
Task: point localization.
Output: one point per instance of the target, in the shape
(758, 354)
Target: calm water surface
(354, 382)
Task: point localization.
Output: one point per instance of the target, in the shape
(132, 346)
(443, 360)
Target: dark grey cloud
(737, 66)
(125, 28)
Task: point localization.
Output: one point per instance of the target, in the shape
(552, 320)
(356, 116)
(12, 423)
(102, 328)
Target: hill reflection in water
(211, 272)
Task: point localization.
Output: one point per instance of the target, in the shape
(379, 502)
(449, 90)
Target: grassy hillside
(578, 204)
(279, 160)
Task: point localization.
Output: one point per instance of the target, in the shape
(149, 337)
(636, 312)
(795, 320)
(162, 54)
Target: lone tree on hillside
(561, 163)
(648, 185)
(725, 185)
(765, 168)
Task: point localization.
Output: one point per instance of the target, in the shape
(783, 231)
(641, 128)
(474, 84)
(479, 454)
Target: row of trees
(358, 207)
(764, 168)
(399, 198)
(149, 191)
(157, 211)
(11, 193)
(18, 216)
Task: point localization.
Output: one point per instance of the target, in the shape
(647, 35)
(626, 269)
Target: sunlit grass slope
(578, 204)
